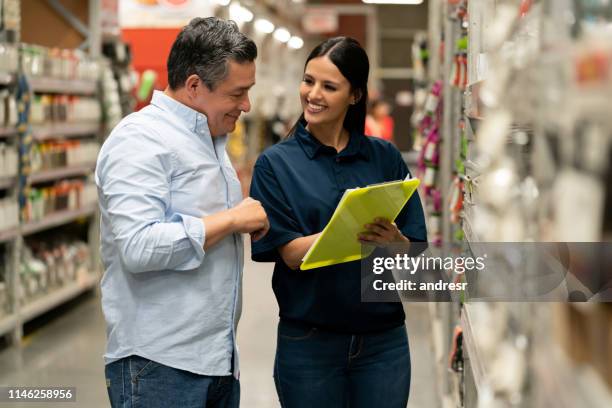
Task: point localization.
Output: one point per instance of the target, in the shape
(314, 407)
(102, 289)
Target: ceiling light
(264, 26)
(392, 1)
(240, 14)
(282, 34)
(295, 42)
(223, 2)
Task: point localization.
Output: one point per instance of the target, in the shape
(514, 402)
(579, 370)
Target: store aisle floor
(68, 351)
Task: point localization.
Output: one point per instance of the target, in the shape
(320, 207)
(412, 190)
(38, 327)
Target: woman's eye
(330, 88)
(307, 81)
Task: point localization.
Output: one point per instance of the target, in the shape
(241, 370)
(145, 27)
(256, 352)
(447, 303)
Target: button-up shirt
(300, 182)
(164, 298)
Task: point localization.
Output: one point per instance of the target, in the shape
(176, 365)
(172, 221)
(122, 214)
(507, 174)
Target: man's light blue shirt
(165, 298)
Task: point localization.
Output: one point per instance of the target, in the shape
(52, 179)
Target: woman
(332, 349)
(379, 122)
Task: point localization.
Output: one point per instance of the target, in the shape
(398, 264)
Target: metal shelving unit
(9, 238)
(65, 130)
(20, 312)
(57, 297)
(477, 365)
(63, 86)
(7, 182)
(61, 173)
(548, 377)
(9, 235)
(57, 219)
(6, 78)
(12, 241)
(6, 132)
(7, 324)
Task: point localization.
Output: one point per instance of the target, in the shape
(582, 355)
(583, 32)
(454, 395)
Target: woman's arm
(293, 252)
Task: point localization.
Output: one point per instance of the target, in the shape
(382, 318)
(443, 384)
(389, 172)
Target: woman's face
(325, 93)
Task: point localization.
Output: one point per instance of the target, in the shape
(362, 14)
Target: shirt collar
(192, 118)
(357, 146)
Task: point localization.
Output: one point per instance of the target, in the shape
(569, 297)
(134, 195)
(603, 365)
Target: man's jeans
(315, 368)
(137, 382)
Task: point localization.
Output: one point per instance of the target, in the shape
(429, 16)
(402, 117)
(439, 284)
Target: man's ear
(191, 85)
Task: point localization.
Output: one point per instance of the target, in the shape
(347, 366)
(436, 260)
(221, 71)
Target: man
(172, 216)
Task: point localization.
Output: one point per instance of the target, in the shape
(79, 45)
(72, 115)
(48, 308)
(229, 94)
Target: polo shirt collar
(357, 146)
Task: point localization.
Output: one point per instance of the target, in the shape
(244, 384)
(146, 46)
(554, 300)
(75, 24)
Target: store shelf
(61, 173)
(64, 86)
(7, 132)
(469, 340)
(43, 132)
(475, 122)
(474, 107)
(395, 73)
(468, 225)
(9, 234)
(57, 297)
(57, 219)
(564, 385)
(6, 78)
(7, 323)
(7, 182)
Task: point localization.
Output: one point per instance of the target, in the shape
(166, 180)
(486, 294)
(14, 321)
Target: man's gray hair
(204, 47)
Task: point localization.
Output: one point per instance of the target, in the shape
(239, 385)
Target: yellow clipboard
(338, 242)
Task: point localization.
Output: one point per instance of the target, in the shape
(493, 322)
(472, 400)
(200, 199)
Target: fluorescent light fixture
(295, 42)
(223, 2)
(240, 14)
(407, 2)
(264, 26)
(282, 34)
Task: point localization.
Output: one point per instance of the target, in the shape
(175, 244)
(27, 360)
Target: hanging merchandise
(429, 161)
(433, 106)
(456, 200)
(459, 73)
(420, 57)
(434, 226)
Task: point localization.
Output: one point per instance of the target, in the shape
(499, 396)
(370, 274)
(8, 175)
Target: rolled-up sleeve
(133, 176)
(411, 220)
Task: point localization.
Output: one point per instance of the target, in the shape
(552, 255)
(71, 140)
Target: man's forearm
(217, 227)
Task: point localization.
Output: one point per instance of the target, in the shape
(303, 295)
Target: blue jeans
(320, 369)
(137, 382)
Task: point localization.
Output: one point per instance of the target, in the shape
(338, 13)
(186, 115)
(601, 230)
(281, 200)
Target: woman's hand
(380, 233)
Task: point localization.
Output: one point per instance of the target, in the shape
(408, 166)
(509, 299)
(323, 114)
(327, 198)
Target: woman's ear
(357, 94)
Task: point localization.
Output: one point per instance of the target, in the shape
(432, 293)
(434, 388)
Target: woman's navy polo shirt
(300, 182)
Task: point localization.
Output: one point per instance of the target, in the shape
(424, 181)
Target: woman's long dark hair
(352, 61)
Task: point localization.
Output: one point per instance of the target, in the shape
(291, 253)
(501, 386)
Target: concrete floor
(68, 351)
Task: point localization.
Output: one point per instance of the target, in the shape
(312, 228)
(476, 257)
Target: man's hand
(380, 233)
(249, 217)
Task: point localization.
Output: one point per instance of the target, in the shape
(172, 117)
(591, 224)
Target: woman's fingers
(380, 232)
